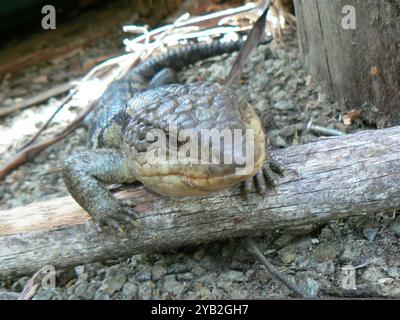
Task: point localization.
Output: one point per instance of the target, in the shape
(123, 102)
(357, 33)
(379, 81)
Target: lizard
(145, 99)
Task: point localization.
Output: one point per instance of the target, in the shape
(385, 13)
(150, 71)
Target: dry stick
(256, 34)
(253, 249)
(44, 127)
(36, 99)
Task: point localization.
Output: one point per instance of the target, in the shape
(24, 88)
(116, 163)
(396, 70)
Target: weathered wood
(361, 66)
(331, 179)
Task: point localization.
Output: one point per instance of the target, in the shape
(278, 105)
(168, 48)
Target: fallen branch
(334, 178)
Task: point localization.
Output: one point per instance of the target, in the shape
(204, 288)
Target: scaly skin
(134, 106)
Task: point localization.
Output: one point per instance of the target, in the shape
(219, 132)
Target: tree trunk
(331, 179)
(359, 67)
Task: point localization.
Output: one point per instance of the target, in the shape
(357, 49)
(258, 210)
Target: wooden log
(333, 178)
(358, 64)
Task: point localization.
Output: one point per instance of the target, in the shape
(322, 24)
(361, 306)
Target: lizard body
(145, 101)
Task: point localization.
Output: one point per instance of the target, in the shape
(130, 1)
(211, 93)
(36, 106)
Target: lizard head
(199, 138)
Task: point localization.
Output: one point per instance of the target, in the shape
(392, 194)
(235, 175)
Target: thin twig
(253, 249)
(256, 34)
(44, 127)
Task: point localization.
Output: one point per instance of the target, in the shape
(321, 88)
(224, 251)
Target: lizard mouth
(183, 185)
(196, 180)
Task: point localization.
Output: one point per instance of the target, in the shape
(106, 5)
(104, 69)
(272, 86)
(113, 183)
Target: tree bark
(359, 67)
(330, 179)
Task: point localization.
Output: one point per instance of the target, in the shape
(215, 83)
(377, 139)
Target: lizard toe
(117, 221)
(261, 183)
(265, 179)
(115, 224)
(247, 187)
(128, 211)
(269, 176)
(276, 166)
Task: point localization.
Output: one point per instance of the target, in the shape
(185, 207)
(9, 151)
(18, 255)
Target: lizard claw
(247, 186)
(276, 166)
(118, 221)
(265, 178)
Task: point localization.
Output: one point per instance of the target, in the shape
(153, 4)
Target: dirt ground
(286, 98)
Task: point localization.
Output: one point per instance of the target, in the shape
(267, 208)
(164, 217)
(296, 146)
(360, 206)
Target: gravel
(285, 98)
(158, 272)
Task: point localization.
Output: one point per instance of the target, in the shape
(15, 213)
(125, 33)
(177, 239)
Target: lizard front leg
(86, 174)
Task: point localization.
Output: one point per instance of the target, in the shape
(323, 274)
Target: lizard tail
(183, 56)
